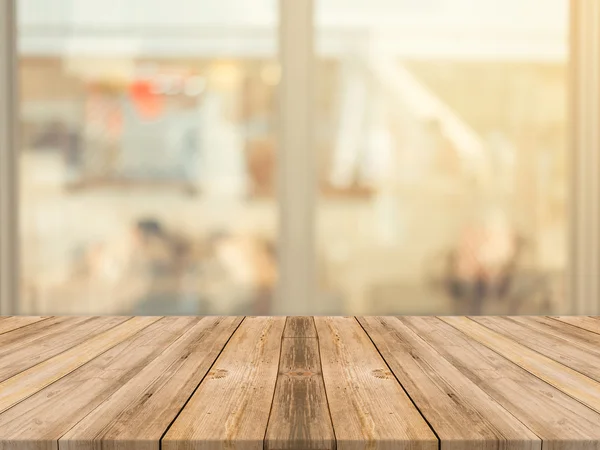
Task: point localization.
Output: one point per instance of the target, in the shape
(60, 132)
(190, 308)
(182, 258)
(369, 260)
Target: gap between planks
(299, 389)
(560, 376)
(290, 335)
(588, 323)
(401, 385)
(11, 323)
(19, 387)
(160, 441)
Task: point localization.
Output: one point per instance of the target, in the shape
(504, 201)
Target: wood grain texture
(38, 422)
(463, 416)
(230, 409)
(139, 413)
(560, 421)
(28, 346)
(585, 322)
(300, 326)
(24, 336)
(301, 383)
(578, 336)
(569, 381)
(300, 415)
(538, 337)
(32, 380)
(369, 408)
(8, 324)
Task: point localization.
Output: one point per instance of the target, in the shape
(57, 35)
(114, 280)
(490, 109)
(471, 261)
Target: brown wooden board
(558, 419)
(299, 383)
(230, 410)
(28, 346)
(569, 381)
(369, 408)
(300, 413)
(581, 357)
(11, 323)
(462, 414)
(39, 421)
(138, 414)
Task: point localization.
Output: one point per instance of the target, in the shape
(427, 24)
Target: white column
(584, 277)
(296, 162)
(9, 261)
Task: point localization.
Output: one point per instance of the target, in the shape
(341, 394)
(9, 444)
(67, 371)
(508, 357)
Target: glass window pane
(148, 156)
(442, 145)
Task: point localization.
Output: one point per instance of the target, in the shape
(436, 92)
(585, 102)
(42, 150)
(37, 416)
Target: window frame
(584, 150)
(9, 167)
(296, 162)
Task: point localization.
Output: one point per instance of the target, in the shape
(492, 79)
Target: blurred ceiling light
(225, 75)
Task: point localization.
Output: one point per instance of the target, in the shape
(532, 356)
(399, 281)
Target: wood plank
(23, 336)
(586, 330)
(269, 386)
(569, 381)
(10, 323)
(300, 326)
(579, 337)
(300, 415)
(32, 380)
(559, 420)
(39, 421)
(463, 416)
(139, 413)
(369, 408)
(535, 336)
(585, 322)
(26, 347)
(230, 409)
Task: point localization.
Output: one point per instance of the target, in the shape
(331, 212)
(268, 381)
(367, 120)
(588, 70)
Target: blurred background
(150, 148)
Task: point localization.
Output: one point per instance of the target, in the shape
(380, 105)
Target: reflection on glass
(148, 155)
(442, 155)
(149, 136)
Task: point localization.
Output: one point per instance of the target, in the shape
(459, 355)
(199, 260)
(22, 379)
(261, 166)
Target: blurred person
(243, 273)
(482, 264)
(145, 249)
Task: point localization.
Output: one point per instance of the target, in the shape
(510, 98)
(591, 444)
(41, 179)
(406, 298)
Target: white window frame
(9, 198)
(296, 186)
(584, 149)
(297, 290)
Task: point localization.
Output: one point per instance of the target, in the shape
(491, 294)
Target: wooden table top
(306, 383)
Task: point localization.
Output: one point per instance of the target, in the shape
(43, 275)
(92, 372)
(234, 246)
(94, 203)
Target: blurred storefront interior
(150, 146)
